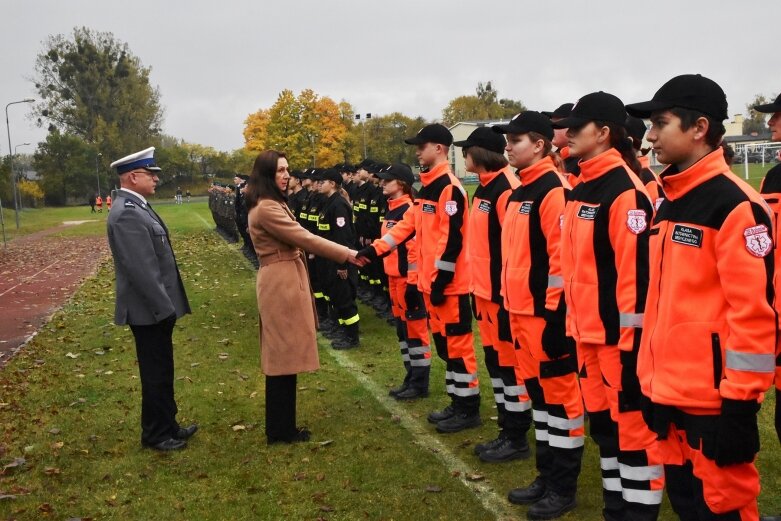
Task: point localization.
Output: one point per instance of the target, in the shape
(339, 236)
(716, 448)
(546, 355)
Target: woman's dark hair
(262, 180)
(547, 149)
(621, 141)
(406, 188)
(491, 161)
(689, 117)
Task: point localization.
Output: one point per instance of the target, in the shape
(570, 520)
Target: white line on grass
(203, 220)
(491, 501)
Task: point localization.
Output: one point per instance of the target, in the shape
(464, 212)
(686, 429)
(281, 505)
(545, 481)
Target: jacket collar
(600, 164)
(677, 184)
(135, 196)
(399, 201)
(533, 172)
(645, 161)
(427, 177)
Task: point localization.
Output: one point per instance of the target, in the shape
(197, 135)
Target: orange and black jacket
(485, 232)
(397, 262)
(770, 189)
(651, 181)
(710, 327)
(604, 253)
(531, 239)
(438, 220)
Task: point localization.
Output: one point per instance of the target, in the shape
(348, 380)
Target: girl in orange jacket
(604, 262)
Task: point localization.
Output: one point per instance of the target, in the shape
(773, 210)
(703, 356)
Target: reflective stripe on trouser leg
(543, 455)
(452, 323)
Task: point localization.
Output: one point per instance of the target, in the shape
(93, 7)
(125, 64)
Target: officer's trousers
(632, 471)
(412, 332)
(155, 352)
(340, 294)
(557, 405)
(512, 399)
(451, 329)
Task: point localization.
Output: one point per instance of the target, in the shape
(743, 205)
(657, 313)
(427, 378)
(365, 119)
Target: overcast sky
(217, 61)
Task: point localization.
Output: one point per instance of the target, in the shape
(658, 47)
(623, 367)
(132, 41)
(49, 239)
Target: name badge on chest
(428, 208)
(687, 235)
(484, 206)
(588, 212)
(525, 208)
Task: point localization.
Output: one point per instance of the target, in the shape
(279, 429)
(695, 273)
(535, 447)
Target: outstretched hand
(352, 258)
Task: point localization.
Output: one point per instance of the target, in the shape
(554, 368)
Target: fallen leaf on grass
(237, 428)
(51, 471)
(54, 431)
(326, 508)
(433, 488)
(455, 473)
(46, 508)
(71, 355)
(475, 477)
(58, 445)
(299, 476)
(15, 464)
(7, 496)
(253, 394)
(223, 356)
(325, 443)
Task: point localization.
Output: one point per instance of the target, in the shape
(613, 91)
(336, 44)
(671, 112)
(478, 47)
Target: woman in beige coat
(288, 342)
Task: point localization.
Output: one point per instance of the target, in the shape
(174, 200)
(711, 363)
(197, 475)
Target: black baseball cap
(562, 112)
(597, 106)
(398, 171)
(687, 91)
(529, 121)
(486, 138)
(298, 174)
(636, 128)
(365, 164)
(769, 108)
(434, 133)
(328, 174)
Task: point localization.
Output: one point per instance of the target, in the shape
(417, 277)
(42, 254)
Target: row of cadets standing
(408, 308)
(484, 155)
(532, 290)
(438, 219)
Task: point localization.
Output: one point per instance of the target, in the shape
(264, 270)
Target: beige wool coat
(288, 338)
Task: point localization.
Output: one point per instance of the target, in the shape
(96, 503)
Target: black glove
(412, 298)
(438, 287)
(555, 341)
(629, 398)
(503, 317)
(368, 253)
(737, 435)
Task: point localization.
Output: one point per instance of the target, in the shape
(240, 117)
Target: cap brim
(385, 175)
(415, 141)
(463, 144)
(569, 122)
(546, 113)
(768, 108)
(646, 108)
(502, 129)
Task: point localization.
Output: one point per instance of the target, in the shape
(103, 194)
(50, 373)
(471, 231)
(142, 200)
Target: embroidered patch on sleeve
(636, 221)
(758, 242)
(451, 207)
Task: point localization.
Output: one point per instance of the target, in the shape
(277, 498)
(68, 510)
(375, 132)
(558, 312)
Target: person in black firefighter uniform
(296, 193)
(335, 223)
(362, 191)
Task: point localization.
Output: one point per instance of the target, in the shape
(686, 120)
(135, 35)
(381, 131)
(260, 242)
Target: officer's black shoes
(482, 447)
(327, 324)
(186, 432)
(460, 421)
(411, 393)
(346, 342)
(437, 416)
(528, 495)
(509, 450)
(300, 435)
(553, 505)
(167, 445)
(396, 390)
(334, 334)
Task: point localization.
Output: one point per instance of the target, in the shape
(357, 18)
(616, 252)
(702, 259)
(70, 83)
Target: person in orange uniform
(709, 333)
(771, 192)
(483, 154)
(108, 203)
(99, 203)
(568, 163)
(604, 262)
(532, 287)
(636, 129)
(438, 220)
(406, 300)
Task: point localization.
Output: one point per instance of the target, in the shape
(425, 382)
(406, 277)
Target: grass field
(69, 407)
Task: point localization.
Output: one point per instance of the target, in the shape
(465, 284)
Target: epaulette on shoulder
(130, 204)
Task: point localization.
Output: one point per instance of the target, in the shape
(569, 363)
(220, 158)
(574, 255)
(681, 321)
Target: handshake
(363, 257)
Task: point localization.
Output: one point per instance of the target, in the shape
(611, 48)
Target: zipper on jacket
(717, 361)
(662, 237)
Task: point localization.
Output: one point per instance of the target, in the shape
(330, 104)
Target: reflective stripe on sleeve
(412, 266)
(630, 319)
(555, 281)
(389, 240)
(758, 363)
(445, 266)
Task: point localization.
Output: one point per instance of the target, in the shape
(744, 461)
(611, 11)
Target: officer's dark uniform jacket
(296, 201)
(335, 223)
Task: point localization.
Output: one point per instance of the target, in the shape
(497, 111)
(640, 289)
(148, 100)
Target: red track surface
(38, 273)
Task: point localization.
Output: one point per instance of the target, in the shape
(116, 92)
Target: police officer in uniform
(335, 223)
(150, 296)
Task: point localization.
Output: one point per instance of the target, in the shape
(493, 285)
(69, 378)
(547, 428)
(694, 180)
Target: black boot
(482, 447)
(528, 495)
(412, 393)
(350, 340)
(437, 416)
(508, 450)
(459, 421)
(553, 505)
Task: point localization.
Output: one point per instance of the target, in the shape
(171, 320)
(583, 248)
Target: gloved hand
(503, 317)
(412, 298)
(737, 435)
(367, 253)
(629, 398)
(555, 341)
(442, 279)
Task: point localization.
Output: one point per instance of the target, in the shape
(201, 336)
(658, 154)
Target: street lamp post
(11, 157)
(17, 193)
(368, 115)
(97, 171)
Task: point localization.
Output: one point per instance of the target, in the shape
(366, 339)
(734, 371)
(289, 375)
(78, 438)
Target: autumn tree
(385, 137)
(483, 105)
(66, 166)
(92, 87)
(755, 121)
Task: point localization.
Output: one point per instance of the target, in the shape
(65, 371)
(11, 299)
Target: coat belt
(272, 258)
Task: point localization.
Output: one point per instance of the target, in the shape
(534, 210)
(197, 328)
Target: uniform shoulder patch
(636, 221)
(758, 241)
(451, 207)
(130, 204)
(340, 222)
